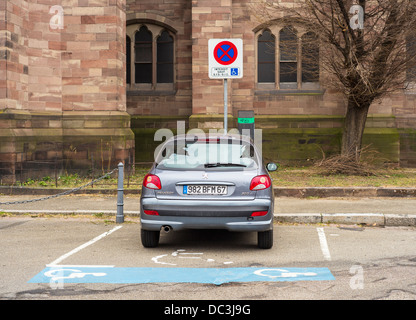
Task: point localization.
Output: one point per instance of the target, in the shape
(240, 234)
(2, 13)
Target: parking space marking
(217, 276)
(66, 255)
(324, 244)
(156, 260)
(57, 274)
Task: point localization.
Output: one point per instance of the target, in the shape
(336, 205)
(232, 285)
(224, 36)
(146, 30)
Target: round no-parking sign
(225, 53)
(225, 57)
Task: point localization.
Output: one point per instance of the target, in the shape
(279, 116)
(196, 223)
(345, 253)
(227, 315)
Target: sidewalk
(377, 211)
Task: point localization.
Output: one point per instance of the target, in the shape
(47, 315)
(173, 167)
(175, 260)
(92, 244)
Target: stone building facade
(90, 81)
(62, 86)
(300, 116)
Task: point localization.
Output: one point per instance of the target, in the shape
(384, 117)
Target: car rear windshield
(207, 154)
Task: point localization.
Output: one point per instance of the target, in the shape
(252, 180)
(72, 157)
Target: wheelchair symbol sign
(234, 71)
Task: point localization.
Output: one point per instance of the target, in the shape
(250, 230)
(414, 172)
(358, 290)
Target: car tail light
(259, 213)
(260, 182)
(152, 182)
(209, 140)
(151, 212)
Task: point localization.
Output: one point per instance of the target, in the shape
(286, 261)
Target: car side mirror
(272, 166)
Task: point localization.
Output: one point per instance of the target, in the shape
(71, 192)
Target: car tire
(150, 239)
(265, 239)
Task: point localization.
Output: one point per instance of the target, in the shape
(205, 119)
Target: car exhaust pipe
(166, 229)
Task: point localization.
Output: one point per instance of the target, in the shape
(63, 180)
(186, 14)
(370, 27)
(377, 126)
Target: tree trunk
(354, 125)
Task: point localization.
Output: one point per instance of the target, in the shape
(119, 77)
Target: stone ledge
(369, 219)
(372, 219)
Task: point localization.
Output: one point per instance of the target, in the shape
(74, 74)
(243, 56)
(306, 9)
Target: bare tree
(367, 46)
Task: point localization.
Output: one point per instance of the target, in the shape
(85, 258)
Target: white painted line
(324, 244)
(156, 260)
(78, 266)
(61, 258)
(191, 253)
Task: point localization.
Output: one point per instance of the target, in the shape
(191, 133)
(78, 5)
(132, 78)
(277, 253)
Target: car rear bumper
(197, 214)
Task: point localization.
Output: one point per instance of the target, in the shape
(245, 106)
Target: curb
(369, 219)
(320, 192)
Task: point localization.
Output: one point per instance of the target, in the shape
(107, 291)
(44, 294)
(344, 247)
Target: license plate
(204, 189)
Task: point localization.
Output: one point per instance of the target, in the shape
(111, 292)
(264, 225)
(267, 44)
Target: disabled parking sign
(225, 58)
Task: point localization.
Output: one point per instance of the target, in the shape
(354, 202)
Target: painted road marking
(156, 260)
(216, 276)
(181, 254)
(63, 257)
(282, 273)
(56, 274)
(324, 244)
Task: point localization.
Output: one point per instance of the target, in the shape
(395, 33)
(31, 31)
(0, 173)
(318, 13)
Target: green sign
(245, 120)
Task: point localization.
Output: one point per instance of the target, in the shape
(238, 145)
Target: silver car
(207, 182)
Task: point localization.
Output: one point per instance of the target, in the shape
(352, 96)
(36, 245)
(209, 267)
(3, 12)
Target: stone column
(211, 19)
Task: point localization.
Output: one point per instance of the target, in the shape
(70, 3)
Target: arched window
(297, 65)
(128, 60)
(288, 55)
(143, 55)
(164, 58)
(310, 58)
(150, 58)
(411, 58)
(266, 57)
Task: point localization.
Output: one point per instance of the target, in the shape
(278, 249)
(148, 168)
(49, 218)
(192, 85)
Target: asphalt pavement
(374, 211)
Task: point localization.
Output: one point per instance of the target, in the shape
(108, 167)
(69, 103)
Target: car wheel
(265, 239)
(150, 239)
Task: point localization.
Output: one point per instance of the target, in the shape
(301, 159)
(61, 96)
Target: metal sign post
(120, 194)
(225, 106)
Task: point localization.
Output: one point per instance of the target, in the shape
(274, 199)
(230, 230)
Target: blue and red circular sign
(225, 53)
